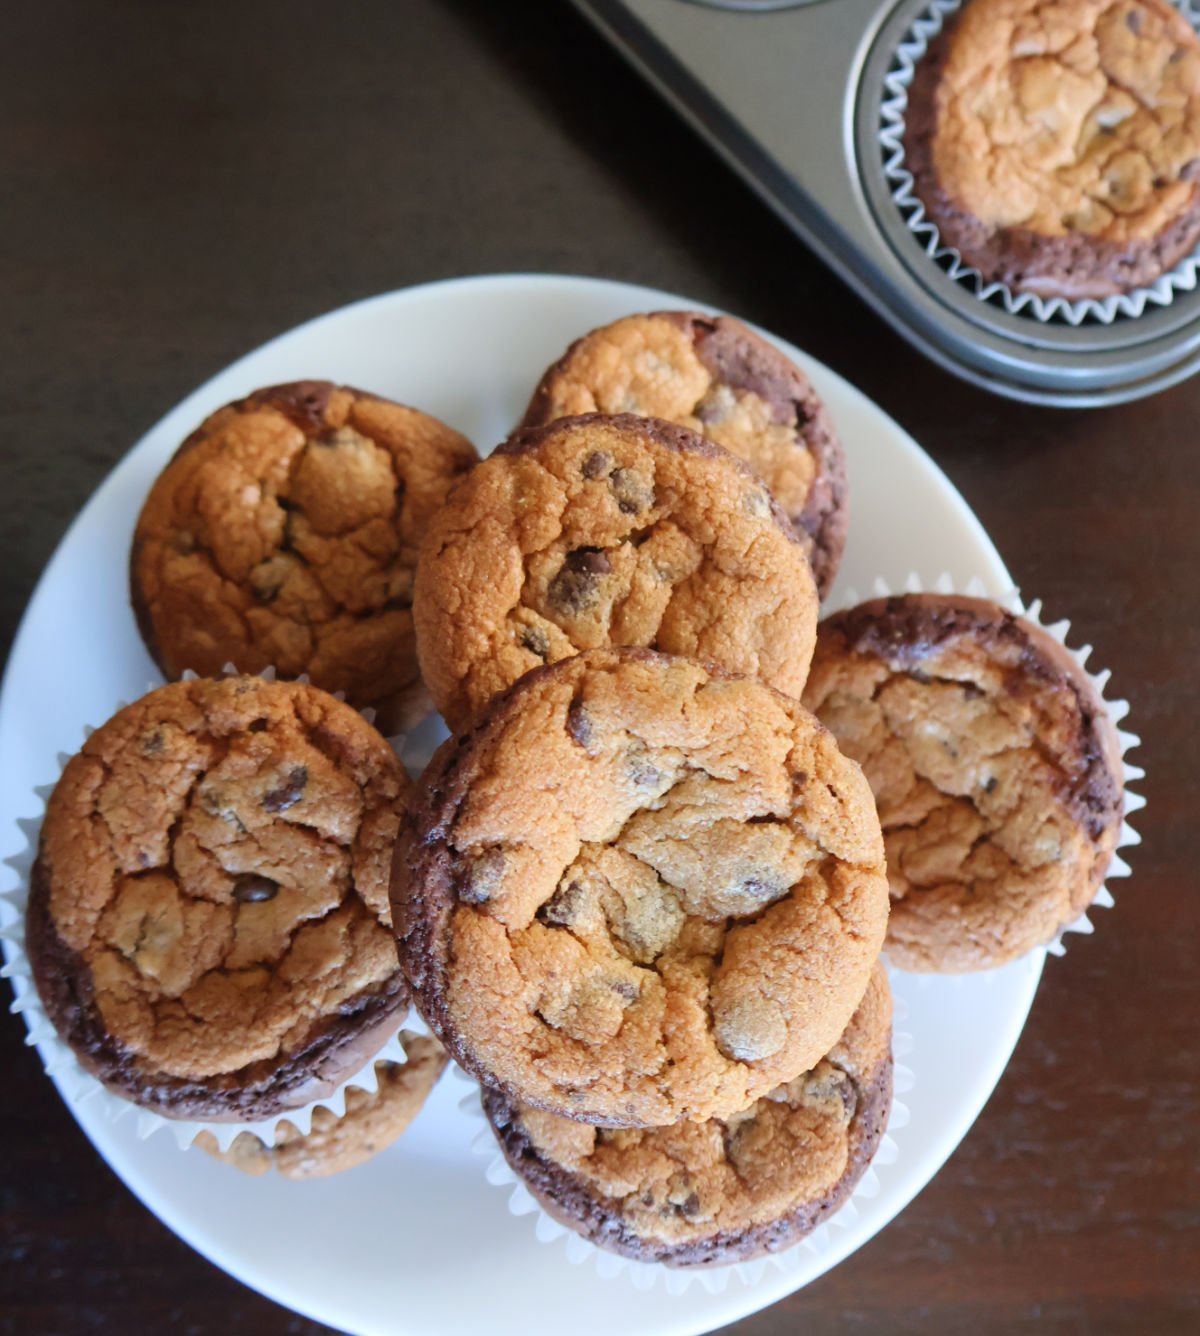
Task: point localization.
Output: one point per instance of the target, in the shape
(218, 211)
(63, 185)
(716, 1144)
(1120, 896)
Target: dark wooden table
(179, 182)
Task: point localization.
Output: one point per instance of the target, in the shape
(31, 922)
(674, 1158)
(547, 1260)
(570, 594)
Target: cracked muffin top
(597, 531)
(208, 921)
(715, 376)
(1056, 143)
(639, 891)
(995, 767)
(285, 533)
(726, 1190)
(372, 1122)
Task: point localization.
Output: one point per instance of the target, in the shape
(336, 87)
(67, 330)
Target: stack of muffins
(642, 892)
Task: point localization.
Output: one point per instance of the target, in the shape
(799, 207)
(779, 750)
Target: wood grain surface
(180, 182)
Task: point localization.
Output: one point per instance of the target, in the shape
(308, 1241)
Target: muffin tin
(791, 97)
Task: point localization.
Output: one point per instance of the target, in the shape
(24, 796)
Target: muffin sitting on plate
(284, 533)
(715, 376)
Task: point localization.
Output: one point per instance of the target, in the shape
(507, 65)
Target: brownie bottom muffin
(729, 1190)
(208, 921)
(372, 1122)
(996, 772)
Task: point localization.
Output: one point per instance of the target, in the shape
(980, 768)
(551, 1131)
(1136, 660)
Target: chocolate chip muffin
(1056, 143)
(996, 770)
(639, 891)
(285, 532)
(208, 919)
(372, 1122)
(715, 376)
(726, 1190)
(597, 531)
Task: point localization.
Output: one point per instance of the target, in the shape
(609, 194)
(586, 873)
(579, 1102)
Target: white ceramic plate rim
(971, 553)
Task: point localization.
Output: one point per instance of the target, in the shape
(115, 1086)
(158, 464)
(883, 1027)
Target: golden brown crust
(994, 765)
(598, 531)
(285, 532)
(726, 1190)
(209, 924)
(372, 1122)
(1056, 143)
(713, 375)
(639, 891)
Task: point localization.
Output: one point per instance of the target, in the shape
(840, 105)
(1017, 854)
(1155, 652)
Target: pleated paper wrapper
(1116, 709)
(80, 1086)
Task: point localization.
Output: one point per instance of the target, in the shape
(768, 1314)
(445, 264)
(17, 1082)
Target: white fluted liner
(78, 1085)
(715, 1279)
(1116, 708)
(892, 120)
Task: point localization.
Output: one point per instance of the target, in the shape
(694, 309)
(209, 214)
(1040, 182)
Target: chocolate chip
(575, 586)
(258, 726)
(590, 561)
(799, 778)
(289, 793)
(596, 463)
(681, 1197)
(626, 988)
(989, 784)
(482, 874)
(1133, 21)
(252, 889)
(269, 577)
(641, 770)
(716, 406)
(535, 639)
(826, 1081)
(632, 492)
(755, 503)
(213, 802)
(757, 890)
(579, 723)
(563, 907)
(152, 743)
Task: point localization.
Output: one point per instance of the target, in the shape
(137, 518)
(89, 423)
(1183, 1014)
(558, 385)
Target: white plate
(416, 1241)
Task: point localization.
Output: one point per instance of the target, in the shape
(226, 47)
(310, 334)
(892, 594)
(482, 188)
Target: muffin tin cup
(718, 1277)
(76, 1083)
(1117, 710)
(892, 121)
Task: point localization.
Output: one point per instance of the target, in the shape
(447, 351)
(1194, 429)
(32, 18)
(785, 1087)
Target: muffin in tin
(1056, 143)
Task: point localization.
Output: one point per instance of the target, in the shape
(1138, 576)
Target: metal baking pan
(789, 95)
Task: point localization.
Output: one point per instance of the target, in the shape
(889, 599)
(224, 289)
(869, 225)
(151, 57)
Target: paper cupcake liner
(892, 113)
(717, 1278)
(76, 1083)
(1116, 708)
